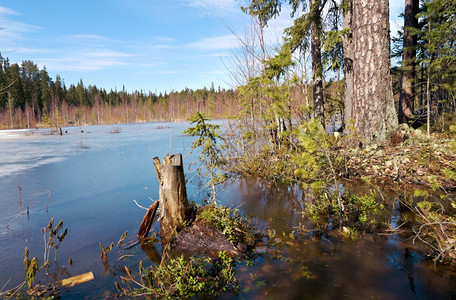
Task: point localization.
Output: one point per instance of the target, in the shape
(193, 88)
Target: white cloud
(107, 53)
(215, 7)
(217, 43)
(214, 72)
(396, 8)
(159, 42)
(12, 31)
(273, 33)
(90, 38)
(219, 54)
(168, 72)
(161, 47)
(396, 5)
(164, 39)
(41, 51)
(85, 61)
(84, 64)
(152, 65)
(7, 11)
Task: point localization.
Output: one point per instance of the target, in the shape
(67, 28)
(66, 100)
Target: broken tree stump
(147, 221)
(174, 207)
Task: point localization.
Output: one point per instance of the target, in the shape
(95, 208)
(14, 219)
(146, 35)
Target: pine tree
(438, 55)
(372, 106)
(308, 25)
(407, 94)
(347, 8)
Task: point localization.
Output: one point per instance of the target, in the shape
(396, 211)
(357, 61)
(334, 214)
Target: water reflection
(151, 252)
(277, 206)
(312, 267)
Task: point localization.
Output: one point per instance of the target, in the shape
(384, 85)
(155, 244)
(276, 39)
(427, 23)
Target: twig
(396, 228)
(3, 90)
(120, 258)
(47, 203)
(20, 199)
(171, 141)
(1, 290)
(130, 244)
(7, 225)
(165, 253)
(326, 240)
(239, 205)
(16, 290)
(140, 205)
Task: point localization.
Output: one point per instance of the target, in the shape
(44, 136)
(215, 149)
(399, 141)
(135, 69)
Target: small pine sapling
(208, 141)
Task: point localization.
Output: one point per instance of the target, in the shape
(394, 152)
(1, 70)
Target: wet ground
(89, 177)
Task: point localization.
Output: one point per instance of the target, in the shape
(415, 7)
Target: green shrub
(316, 161)
(361, 213)
(208, 142)
(183, 278)
(228, 221)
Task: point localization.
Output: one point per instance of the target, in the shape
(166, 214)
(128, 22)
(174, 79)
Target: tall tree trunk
(428, 102)
(317, 81)
(373, 108)
(428, 90)
(348, 61)
(407, 96)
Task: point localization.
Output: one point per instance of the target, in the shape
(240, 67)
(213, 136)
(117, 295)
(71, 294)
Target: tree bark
(174, 207)
(407, 95)
(317, 81)
(348, 60)
(372, 105)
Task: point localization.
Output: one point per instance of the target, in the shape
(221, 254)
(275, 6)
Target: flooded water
(89, 177)
(307, 267)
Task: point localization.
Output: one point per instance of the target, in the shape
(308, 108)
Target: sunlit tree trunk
(348, 60)
(428, 91)
(317, 84)
(407, 96)
(372, 105)
(10, 108)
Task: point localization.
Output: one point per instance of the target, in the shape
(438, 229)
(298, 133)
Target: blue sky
(156, 45)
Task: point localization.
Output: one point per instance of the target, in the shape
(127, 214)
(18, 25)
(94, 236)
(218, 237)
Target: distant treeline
(30, 98)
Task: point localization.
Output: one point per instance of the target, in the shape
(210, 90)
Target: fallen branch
(147, 221)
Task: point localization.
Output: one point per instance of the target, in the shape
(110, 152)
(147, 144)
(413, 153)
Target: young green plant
(208, 142)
